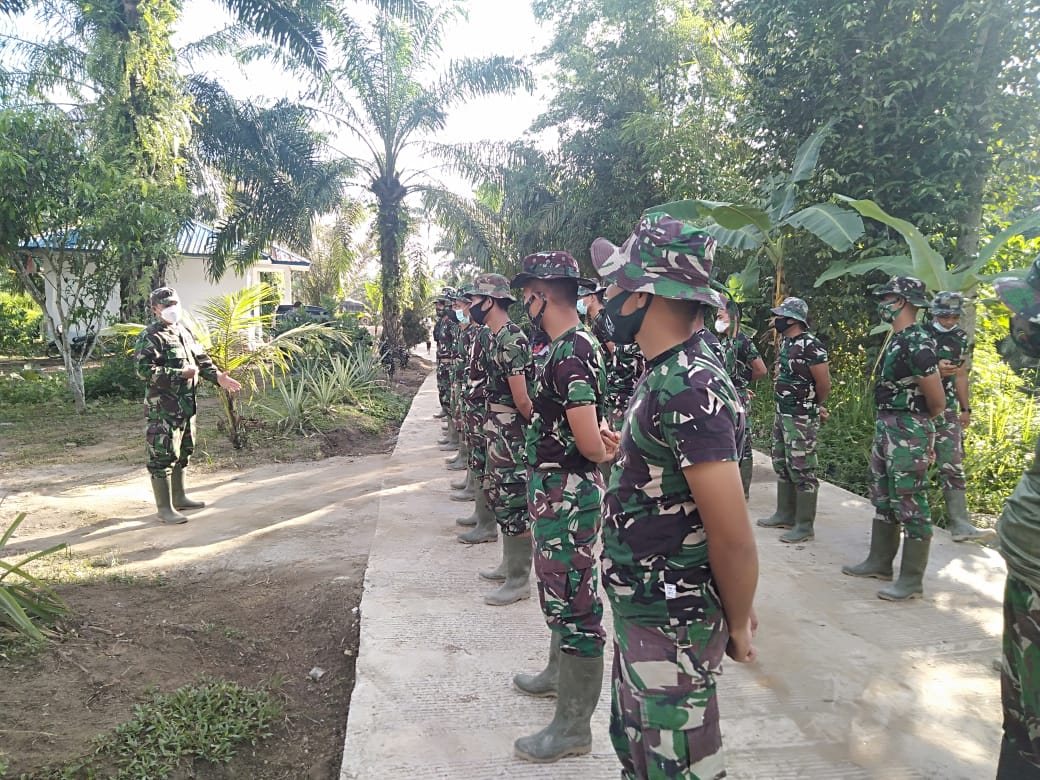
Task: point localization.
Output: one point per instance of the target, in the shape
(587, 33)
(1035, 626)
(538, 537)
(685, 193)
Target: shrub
(20, 320)
(32, 387)
(25, 601)
(413, 329)
(115, 377)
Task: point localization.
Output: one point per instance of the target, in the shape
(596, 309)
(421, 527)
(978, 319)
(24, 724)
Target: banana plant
(764, 225)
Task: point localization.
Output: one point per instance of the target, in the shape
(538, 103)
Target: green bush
(32, 387)
(20, 320)
(26, 602)
(413, 329)
(115, 377)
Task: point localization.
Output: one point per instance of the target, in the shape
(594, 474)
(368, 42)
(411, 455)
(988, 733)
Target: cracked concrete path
(846, 686)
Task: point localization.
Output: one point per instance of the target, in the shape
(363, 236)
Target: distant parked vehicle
(315, 313)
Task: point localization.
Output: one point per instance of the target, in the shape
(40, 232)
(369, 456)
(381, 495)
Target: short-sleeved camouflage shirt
(794, 389)
(949, 345)
(741, 352)
(477, 368)
(444, 335)
(510, 355)
(572, 376)
(685, 411)
(910, 354)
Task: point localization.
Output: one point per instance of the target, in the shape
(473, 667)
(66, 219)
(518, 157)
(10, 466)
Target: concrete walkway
(846, 686)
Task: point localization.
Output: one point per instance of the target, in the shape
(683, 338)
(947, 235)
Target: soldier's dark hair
(686, 309)
(562, 290)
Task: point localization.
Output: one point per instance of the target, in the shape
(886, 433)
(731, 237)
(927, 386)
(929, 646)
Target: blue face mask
(942, 328)
(582, 308)
(460, 315)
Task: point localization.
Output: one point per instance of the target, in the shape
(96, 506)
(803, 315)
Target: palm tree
(388, 73)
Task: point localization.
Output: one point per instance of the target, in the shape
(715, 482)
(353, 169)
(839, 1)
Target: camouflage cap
(1021, 294)
(593, 290)
(163, 295)
(493, 286)
(795, 308)
(446, 296)
(464, 292)
(550, 265)
(905, 287)
(664, 256)
(947, 303)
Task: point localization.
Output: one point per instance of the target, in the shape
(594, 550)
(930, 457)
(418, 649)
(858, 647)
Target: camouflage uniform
(161, 353)
(949, 445)
(669, 624)
(459, 367)
(1019, 536)
(444, 334)
(797, 419)
(475, 398)
(903, 433)
(625, 364)
(740, 352)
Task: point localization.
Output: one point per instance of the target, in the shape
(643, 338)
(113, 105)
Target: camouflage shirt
(477, 367)
(624, 364)
(444, 335)
(795, 389)
(910, 354)
(951, 345)
(740, 352)
(162, 351)
(685, 411)
(510, 355)
(572, 376)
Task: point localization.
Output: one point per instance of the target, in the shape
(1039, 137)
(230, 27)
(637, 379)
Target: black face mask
(529, 305)
(478, 313)
(781, 324)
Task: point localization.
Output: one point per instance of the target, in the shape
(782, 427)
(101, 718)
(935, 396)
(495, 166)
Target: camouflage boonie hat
(493, 286)
(550, 265)
(464, 292)
(947, 303)
(163, 295)
(446, 296)
(795, 308)
(905, 287)
(1021, 294)
(664, 256)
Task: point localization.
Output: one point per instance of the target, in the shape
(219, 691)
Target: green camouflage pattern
(1020, 668)
(624, 364)
(444, 335)
(162, 295)
(946, 303)
(474, 398)
(740, 352)
(564, 508)
(459, 372)
(899, 471)
(664, 256)
(664, 713)
(1021, 294)
(161, 353)
(493, 286)
(1018, 529)
(447, 295)
(949, 450)
(910, 354)
(914, 290)
(794, 450)
(794, 388)
(550, 265)
(950, 345)
(572, 376)
(685, 411)
(795, 308)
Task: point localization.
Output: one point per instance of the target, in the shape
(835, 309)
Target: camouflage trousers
(444, 383)
(794, 450)
(458, 407)
(170, 442)
(477, 441)
(1020, 676)
(949, 450)
(506, 479)
(565, 517)
(664, 713)
(745, 445)
(899, 471)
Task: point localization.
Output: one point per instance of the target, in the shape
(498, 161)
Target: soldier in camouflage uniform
(169, 358)
(444, 335)
(1018, 531)
(672, 507)
(744, 365)
(624, 361)
(802, 384)
(908, 395)
(460, 362)
(509, 407)
(951, 344)
(563, 445)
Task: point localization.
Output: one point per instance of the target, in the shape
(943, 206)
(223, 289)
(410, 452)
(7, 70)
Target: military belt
(501, 408)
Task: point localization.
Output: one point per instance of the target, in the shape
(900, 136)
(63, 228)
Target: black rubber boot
(543, 684)
(746, 467)
(570, 733)
(804, 518)
(486, 529)
(910, 584)
(1012, 766)
(497, 574)
(517, 550)
(960, 526)
(884, 544)
(177, 497)
(783, 517)
(167, 514)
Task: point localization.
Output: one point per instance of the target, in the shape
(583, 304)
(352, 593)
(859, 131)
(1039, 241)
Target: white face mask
(171, 314)
(721, 326)
(942, 328)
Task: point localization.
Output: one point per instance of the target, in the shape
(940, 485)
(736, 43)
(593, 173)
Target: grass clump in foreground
(207, 720)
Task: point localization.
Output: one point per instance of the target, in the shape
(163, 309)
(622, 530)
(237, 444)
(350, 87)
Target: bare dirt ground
(261, 587)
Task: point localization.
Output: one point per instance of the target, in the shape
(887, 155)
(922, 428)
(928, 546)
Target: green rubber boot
(570, 733)
(542, 685)
(517, 587)
(497, 574)
(911, 572)
(468, 491)
(464, 483)
(167, 514)
(441, 414)
(486, 529)
(783, 517)
(746, 467)
(1011, 765)
(804, 518)
(461, 459)
(884, 544)
(453, 440)
(960, 526)
(177, 497)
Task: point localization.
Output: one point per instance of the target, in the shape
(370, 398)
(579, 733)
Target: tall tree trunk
(390, 231)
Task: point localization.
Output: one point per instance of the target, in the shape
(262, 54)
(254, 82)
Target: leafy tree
(333, 256)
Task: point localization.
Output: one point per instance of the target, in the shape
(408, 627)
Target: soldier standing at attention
(803, 382)
(951, 344)
(459, 362)
(509, 407)
(444, 335)
(170, 360)
(1018, 531)
(909, 396)
(744, 365)
(564, 492)
(680, 565)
